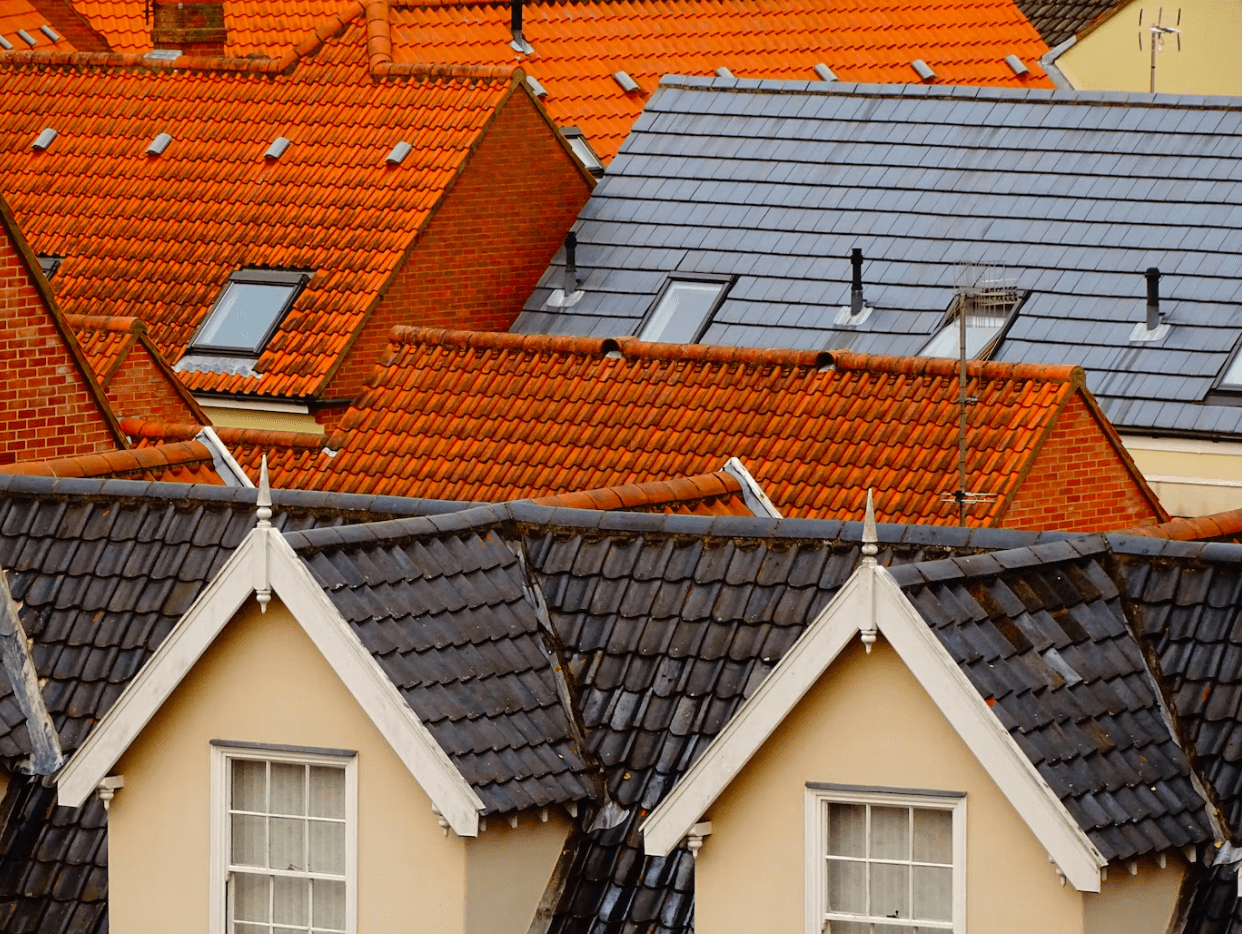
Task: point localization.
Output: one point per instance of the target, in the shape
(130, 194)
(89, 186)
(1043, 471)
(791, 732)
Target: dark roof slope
(1073, 195)
(1058, 20)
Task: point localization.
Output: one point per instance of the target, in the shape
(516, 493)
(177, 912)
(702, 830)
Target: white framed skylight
(582, 149)
(248, 311)
(1231, 380)
(49, 264)
(683, 309)
(988, 315)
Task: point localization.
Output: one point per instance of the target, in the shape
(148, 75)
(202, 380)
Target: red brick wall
(140, 389)
(480, 257)
(46, 407)
(1079, 483)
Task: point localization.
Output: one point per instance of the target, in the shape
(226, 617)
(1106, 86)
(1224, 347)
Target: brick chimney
(196, 27)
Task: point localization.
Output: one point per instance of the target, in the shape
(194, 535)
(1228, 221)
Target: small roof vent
(44, 139)
(628, 84)
(1154, 327)
(825, 73)
(26, 37)
(398, 154)
(1018, 66)
(519, 43)
(923, 70)
(49, 32)
(535, 87)
(723, 72)
(277, 149)
(857, 311)
(5, 44)
(159, 144)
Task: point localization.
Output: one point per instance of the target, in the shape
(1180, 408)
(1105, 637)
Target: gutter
(1049, 66)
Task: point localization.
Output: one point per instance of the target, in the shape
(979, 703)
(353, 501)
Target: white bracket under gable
(871, 594)
(288, 579)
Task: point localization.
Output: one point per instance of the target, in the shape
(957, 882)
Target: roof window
(1232, 380)
(683, 310)
(582, 149)
(988, 307)
(248, 311)
(49, 264)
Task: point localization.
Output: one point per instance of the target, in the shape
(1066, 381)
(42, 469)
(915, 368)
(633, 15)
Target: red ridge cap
(135, 60)
(655, 493)
(183, 431)
(118, 323)
(942, 366)
(1197, 528)
(111, 463)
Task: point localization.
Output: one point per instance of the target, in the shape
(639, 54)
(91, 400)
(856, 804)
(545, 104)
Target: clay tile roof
(712, 494)
(105, 340)
(180, 462)
(214, 195)
(289, 453)
(493, 417)
(28, 16)
(579, 45)
(1221, 526)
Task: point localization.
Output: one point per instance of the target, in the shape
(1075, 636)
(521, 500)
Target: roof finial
(264, 499)
(869, 537)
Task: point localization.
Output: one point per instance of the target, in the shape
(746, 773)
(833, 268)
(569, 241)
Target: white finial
(264, 499)
(869, 537)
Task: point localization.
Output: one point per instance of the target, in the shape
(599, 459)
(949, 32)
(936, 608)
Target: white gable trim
(872, 594)
(267, 550)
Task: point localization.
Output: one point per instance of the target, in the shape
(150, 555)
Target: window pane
(890, 833)
(249, 785)
(249, 839)
(251, 897)
(250, 929)
(847, 886)
(847, 830)
(933, 836)
(288, 788)
(291, 901)
(890, 891)
(327, 792)
(327, 847)
(288, 843)
(979, 330)
(329, 912)
(680, 314)
(933, 893)
(847, 927)
(1233, 375)
(243, 315)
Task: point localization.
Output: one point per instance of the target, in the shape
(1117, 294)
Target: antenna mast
(1158, 31)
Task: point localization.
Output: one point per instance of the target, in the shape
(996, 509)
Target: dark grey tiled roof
(1074, 194)
(1042, 635)
(1058, 20)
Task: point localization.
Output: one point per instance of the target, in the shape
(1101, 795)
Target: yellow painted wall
(867, 722)
(1191, 477)
(508, 869)
(260, 419)
(1108, 58)
(264, 681)
(1135, 904)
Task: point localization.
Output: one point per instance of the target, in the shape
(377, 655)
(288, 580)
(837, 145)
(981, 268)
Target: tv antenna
(980, 292)
(1157, 32)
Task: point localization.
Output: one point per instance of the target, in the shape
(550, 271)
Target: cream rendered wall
(508, 869)
(1190, 476)
(1135, 904)
(1108, 58)
(867, 721)
(264, 681)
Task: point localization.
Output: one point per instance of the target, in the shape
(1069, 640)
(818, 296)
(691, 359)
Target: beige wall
(260, 419)
(1135, 904)
(264, 681)
(867, 722)
(1191, 477)
(507, 871)
(1108, 57)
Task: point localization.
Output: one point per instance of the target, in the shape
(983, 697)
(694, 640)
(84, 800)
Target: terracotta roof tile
(105, 340)
(26, 16)
(1221, 526)
(214, 195)
(180, 462)
(481, 416)
(712, 494)
(289, 453)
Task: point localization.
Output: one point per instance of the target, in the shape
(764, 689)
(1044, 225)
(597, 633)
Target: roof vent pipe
(44, 139)
(519, 42)
(571, 263)
(1153, 298)
(856, 290)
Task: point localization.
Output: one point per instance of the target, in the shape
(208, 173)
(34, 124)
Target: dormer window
(988, 310)
(248, 311)
(683, 309)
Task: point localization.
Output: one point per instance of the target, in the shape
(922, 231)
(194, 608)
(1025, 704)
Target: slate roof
(1072, 195)
(77, 199)
(579, 44)
(495, 417)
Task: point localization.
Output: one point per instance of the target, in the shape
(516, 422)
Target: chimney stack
(856, 288)
(1153, 298)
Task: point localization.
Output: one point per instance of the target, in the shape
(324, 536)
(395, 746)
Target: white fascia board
(871, 594)
(751, 726)
(292, 582)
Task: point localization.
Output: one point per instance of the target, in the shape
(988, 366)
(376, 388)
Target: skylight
(1233, 374)
(683, 310)
(582, 149)
(49, 264)
(248, 310)
(986, 319)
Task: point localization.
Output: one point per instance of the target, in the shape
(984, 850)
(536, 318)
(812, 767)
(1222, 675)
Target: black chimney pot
(856, 288)
(515, 8)
(571, 263)
(1153, 298)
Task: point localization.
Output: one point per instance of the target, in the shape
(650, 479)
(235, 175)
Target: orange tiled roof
(24, 15)
(157, 237)
(579, 44)
(1220, 526)
(182, 462)
(479, 416)
(712, 494)
(289, 453)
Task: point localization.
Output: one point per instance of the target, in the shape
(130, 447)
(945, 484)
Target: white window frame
(222, 753)
(819, 795)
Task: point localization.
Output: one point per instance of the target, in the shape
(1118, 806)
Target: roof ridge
(946, 366)
(379, 53)
(186, 431)
(119, 323)
(651, 493)
(1193, 528)
(176, 453)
